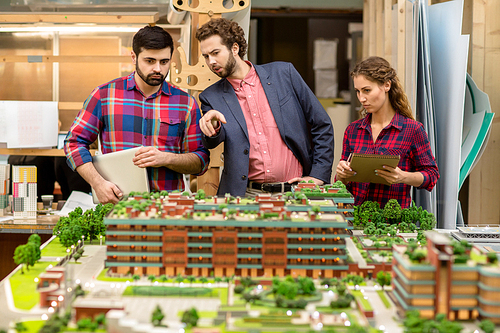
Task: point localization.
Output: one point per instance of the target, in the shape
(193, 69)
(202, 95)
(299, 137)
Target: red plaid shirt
(123, 118)
(404, 137)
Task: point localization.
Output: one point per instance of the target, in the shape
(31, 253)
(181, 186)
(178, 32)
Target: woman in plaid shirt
(388, 128)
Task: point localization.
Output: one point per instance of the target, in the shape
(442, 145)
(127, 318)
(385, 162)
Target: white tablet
(118, 168)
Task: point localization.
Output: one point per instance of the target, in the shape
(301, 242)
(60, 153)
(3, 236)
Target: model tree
(487, 326)
(25, 255)
(392, 211)
(191, 279)
(20, 327)
(203, 280)
(77, 256)
(492, 257)
(89, 224)
(70, 235)
(384, 278)
(179, 278)
(190, 317)
(157, 316)
(36, 241)
(287, 289)
(306, 285)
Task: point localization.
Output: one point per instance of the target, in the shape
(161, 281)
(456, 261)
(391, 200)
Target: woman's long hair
(378, 70)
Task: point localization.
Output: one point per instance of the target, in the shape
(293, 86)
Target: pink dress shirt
(270, 158)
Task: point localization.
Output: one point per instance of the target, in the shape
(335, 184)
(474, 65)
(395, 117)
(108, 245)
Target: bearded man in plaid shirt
(140, 109)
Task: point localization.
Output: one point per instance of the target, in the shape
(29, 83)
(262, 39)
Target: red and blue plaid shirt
(124, 118)
(404, 137)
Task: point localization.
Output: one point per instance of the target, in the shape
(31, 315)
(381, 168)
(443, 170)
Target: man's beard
(230, 67)
(148, 79)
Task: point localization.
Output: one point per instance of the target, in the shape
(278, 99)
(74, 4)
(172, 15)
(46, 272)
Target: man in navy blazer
(274, 129)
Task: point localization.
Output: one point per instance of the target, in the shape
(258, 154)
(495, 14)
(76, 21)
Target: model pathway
(384, 317)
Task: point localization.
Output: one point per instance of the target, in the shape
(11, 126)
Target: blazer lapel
(272, 96)
(234, 106)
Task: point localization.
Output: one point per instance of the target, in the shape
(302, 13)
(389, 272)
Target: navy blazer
(304, 125)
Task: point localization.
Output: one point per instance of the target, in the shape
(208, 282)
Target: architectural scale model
(24, 191)
(441, 284)
(4, 187)
(177, 234)
(304, 233)
(478, 234)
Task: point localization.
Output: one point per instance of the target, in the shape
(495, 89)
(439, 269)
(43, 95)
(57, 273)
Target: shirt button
(264, 151)
(267, 171)
(245, 151)
(255, 114)
(260, 133)
(243, 177)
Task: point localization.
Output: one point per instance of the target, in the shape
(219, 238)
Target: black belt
(270, 187)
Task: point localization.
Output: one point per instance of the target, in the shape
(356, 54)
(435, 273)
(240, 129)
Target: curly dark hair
(152, 38)
(378, 70)
(229, 31)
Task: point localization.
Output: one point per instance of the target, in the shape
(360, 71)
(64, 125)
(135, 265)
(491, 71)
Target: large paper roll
(174, 16)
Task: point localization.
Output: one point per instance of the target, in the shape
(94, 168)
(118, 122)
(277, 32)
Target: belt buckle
(262, 187)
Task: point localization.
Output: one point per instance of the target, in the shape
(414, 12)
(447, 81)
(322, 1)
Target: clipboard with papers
(366, 164)
(118, 168)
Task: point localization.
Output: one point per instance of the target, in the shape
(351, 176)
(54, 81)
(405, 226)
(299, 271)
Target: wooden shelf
(36, 152)
(116, 18)
(67, 59)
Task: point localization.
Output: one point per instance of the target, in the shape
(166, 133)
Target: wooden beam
(388, 31)
(478, 42)
(70, 105)
(45, 17)
(379, 14)
(366, 28)
(372, 37)
(401, 54)
(68, 59)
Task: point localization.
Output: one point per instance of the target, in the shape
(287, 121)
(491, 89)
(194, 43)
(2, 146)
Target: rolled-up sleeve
(192, 142)
(83, 132)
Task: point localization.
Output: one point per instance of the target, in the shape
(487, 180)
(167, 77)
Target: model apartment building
(438, 285)
(4, 187)
(178, 235)
(24, 189)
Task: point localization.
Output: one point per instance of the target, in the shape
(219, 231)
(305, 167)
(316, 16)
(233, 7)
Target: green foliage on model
(20, 327)
(374, 220)
(89, 224)
(392, 211)
(157, 316)
(384, 279)
(56, 323)
(492, 257)
(286, 291)
(28, 254)
(200, 194)
(25, 255)
(190, 317)
(487, 326)
(415, 324)
(344, 298)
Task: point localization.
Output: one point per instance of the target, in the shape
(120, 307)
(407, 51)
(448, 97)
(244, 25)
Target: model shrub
(239, 289)
(404, 220)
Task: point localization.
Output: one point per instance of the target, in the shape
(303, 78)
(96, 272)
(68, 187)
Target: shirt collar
(131, 84)
(396, 122)
(251, 78)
